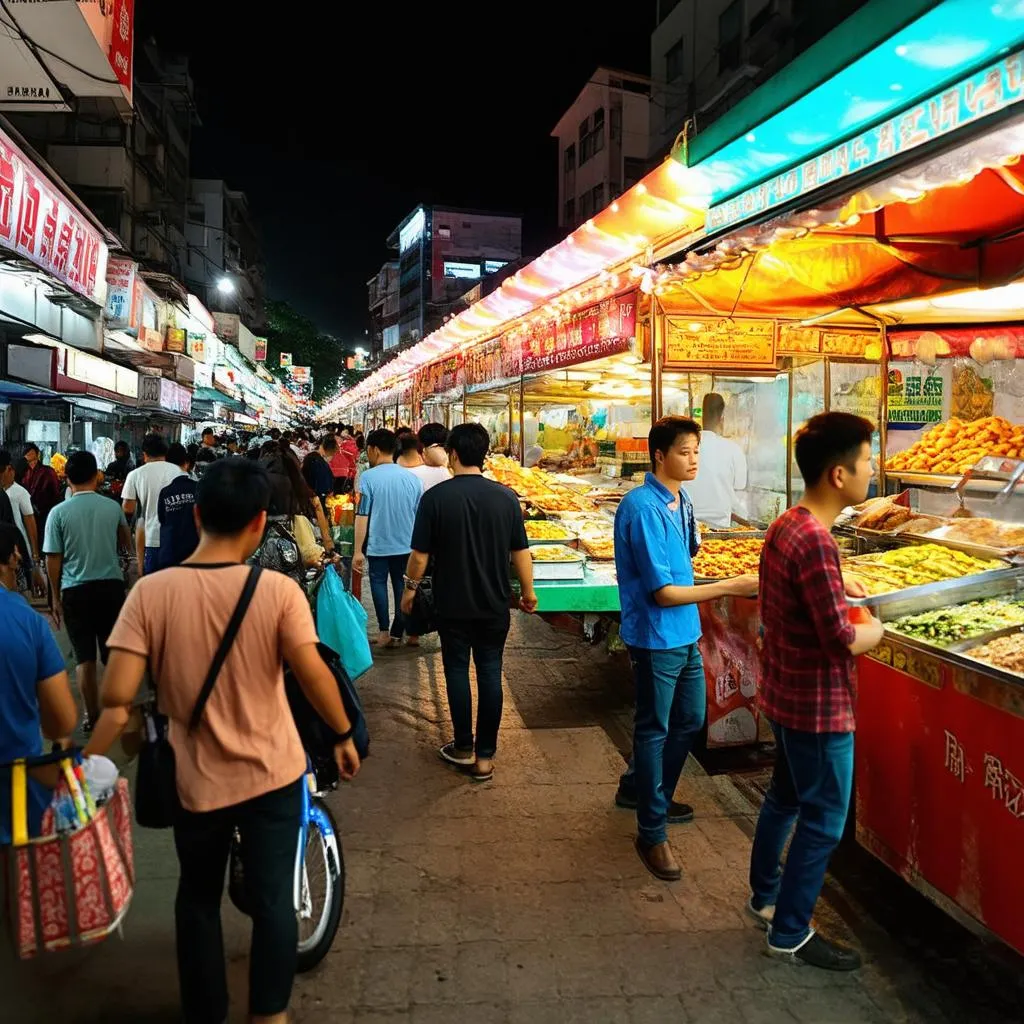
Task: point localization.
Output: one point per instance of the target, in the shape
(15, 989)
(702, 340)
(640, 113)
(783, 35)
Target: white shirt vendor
(722, 472)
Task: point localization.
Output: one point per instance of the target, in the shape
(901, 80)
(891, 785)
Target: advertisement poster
(286, 359)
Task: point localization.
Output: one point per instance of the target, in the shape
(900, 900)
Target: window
(762, 18)
(467, 225)
(443, 231)
(570, 211)
(616, 124)
(674, 61)
(469, 271)
(592, 141)
(598, 118)
(570, 157)
(584, 129)
(730, 37)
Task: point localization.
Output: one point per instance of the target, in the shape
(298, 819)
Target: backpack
(279, 551)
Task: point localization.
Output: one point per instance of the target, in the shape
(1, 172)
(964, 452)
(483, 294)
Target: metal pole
(511, 409)
(789, 442)
(522, 421)
(657, 333)
(464, 413)
(827, 383)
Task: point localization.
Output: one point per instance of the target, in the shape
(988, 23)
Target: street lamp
(225, 286)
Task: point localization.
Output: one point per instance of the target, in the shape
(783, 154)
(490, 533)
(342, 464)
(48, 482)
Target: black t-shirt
(470, 525)
(178, 534)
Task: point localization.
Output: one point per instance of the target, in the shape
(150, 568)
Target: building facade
(382, 290)
(444, 252)
(707, 55)
(603, 143)
(222, 258)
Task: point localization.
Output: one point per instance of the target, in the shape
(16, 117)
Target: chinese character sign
(286, 359)
(915, 399)
(39, 223)
(121, 292)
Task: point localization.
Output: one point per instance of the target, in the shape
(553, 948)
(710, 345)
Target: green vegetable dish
(946, 626)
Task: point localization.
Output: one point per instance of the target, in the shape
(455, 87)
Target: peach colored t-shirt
(246, 743)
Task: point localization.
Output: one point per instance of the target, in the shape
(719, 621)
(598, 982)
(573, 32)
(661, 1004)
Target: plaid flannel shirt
(808, 676)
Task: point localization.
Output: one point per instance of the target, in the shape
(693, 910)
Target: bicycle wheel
(322, 893)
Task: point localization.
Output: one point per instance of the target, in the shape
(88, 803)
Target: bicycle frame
(311, 813)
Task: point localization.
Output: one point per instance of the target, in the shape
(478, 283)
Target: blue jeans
(151, 561)
(671, 698)
(484, 639)
(383, 568)
(810, 786)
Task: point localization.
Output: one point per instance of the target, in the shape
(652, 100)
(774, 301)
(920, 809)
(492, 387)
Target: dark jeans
(810, 786)
(90, 611)
(382, 569)
(671, 698)
(269, 827)
(485, 640)
(150, 561)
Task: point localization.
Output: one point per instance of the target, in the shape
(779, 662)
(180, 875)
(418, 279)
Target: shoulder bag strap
(225, 646)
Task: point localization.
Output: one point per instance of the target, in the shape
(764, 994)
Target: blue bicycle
(319, 888)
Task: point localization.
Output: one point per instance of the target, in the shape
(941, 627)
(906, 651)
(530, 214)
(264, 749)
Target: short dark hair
(208, 432)
(712, 408)
(433, 433)
(205, 455)
(828, 440)
(666, 432)
(275, 434)
(31, 447)
(10, 541)
(81, 468)
(383, 440)
(408, 443)
(154, 445)
(231, 494)
(21, 467)
(121, 446)
(5, 459)
(470, 442)
(328, 444)
(178, 455)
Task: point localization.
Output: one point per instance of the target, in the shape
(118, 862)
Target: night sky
(336, 132)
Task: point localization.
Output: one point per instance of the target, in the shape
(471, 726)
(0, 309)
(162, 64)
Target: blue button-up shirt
(652, 550)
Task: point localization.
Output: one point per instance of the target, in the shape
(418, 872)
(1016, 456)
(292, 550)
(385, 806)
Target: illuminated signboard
(493, 266)
(470, 271)
(412, 231)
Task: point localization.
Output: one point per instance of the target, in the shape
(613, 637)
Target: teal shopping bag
(341, 623)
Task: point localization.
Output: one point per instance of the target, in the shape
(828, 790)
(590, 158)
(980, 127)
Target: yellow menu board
(725, 343)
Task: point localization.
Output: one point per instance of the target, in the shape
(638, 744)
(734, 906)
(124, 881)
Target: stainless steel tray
(942, 593)
(956, 658)
(962, 646)
(977, 550)
(733, 535)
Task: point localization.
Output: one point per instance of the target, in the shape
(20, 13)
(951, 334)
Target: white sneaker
(762, 917)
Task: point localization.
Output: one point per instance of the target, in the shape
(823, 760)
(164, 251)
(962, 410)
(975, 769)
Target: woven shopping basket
(70, 888)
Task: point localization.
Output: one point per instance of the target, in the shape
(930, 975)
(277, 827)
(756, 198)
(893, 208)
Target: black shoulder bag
(156, 789)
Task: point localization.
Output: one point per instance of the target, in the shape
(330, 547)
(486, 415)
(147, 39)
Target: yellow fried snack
(720, 559)
(537, 529)
(953, 447)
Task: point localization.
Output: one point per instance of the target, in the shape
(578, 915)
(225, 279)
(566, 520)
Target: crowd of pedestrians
(440, 544)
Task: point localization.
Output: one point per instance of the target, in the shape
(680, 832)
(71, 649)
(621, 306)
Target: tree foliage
(288, 330)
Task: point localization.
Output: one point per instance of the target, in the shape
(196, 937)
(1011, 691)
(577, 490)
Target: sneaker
(763, 917)
(819, 952)
(463, 758)
(678, 814)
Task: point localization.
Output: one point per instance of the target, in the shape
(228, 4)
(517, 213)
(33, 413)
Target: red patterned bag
(73, 888)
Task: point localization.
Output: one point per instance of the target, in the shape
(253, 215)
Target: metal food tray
(977, 550)
(928, 596)
(733, 535)
(570, 540)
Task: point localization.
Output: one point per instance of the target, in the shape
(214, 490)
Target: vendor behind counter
(722, 473)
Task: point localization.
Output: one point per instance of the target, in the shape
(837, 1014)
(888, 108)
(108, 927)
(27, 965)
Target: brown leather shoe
(658, 859)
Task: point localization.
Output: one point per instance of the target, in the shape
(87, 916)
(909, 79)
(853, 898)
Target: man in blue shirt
(388, 499)
(35, 696)
(656, 538)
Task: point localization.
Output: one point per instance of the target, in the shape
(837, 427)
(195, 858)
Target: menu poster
(799, 340)
(738, 343)
(443, 377)
(604, 329)
(496, 362)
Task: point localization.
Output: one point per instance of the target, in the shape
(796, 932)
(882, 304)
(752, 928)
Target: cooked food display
(555, 553)
(543, 529)
(720, 559)
(734, 529)
(955, 446)
(601, 549)
(539, 488)
(884, 515)
(988, 533)
(945, 626)
(901, 568)
(1005, 652)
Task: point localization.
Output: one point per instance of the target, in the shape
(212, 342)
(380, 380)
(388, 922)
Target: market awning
(953, 222)
(13, 391)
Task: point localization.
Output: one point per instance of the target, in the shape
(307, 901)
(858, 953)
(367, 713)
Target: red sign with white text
(604, 329)
(38, 222)
(122, 35)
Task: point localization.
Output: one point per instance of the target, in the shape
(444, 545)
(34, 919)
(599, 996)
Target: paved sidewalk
(518, 901)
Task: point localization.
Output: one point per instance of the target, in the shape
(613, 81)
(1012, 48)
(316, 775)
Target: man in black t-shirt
(176, 510)
(470, 526)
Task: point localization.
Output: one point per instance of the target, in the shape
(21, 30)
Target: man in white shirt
(24, 514)
(141, 492)
(722, 472)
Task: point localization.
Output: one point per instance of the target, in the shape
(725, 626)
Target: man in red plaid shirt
(808, 690)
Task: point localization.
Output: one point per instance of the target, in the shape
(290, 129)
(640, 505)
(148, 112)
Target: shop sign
(300, 374)
(200, 314)
(98, 373)
(226, 325)
(197, 346)
(746, 344)
(796, 341)
(442, 377)
(496, 362)
(203, 376)
(121, 295)
(286, 359)
(150, 338)
(979, 96)
(604, 329)
(176, 339)
(914, 401)
(37, 222)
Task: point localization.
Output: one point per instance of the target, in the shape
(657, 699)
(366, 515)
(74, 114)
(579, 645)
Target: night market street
(524, 901)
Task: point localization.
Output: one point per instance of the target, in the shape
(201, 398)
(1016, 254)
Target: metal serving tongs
(991, 467)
